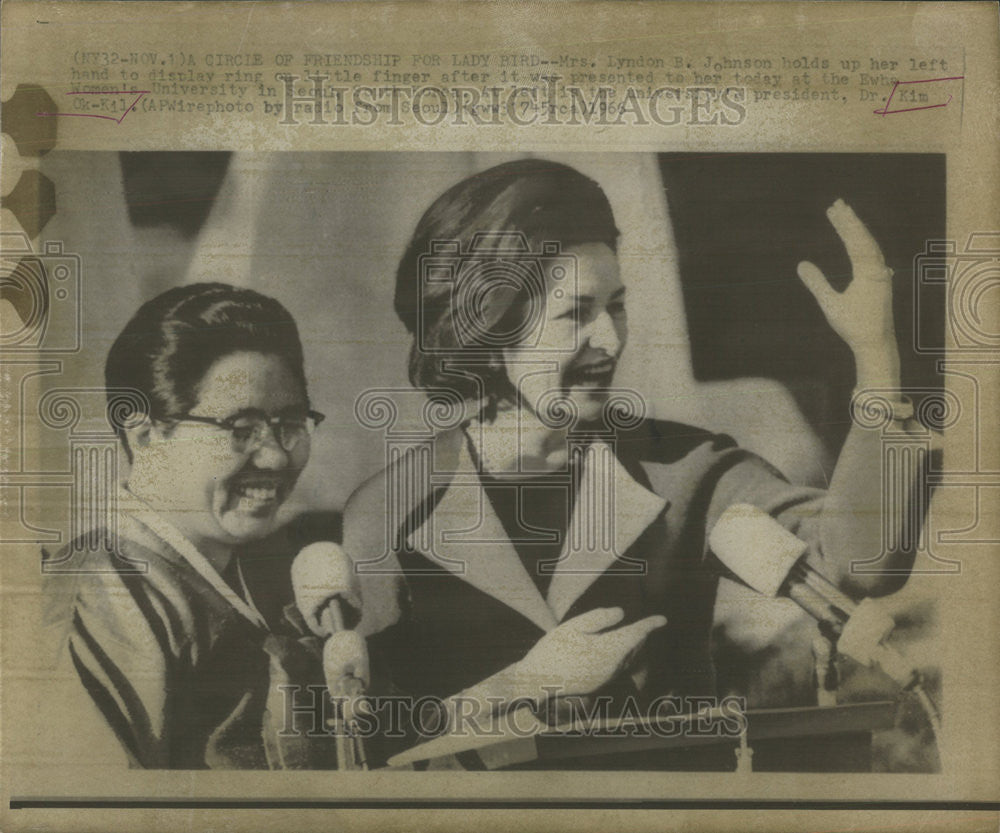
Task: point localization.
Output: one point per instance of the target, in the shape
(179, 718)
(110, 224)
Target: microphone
(323, 580)
(768, 558)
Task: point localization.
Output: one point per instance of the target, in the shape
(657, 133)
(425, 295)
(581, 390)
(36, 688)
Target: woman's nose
(604, 335)
(269, 454)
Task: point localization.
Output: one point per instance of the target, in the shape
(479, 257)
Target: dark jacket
(449, 602)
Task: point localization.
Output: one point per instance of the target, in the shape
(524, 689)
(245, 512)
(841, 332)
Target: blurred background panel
(744, 221)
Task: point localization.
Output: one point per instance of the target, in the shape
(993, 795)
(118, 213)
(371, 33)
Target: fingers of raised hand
(814, 279)
(864, 252)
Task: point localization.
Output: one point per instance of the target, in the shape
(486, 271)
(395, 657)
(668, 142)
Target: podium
(807, 739)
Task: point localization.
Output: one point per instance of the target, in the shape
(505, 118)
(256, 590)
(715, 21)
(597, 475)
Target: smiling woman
(554, 544)
(160, 626)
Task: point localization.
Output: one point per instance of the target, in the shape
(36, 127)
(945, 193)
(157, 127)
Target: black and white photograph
(406, 470)
(504, 465)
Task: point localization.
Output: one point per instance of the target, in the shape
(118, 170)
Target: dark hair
(546, 202)
(170, 343)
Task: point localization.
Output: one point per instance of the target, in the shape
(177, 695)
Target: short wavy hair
(165, 350)
(547, 202)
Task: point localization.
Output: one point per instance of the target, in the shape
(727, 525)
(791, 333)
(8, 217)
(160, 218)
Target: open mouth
(257, 495)
(594, 375)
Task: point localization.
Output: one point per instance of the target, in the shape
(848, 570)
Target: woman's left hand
(862, 313)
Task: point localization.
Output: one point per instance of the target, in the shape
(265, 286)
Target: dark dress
(464, 606)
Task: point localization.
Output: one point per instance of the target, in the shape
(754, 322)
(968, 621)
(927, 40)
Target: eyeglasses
(248, 431)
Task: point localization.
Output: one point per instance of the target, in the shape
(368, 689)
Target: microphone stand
(858, 630)
(346, 693)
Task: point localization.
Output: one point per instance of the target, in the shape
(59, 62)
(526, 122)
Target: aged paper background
(853, 53)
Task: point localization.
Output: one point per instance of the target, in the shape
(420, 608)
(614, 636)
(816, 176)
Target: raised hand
(862, 313)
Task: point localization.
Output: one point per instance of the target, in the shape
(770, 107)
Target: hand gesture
(862, 313)
(582, 654)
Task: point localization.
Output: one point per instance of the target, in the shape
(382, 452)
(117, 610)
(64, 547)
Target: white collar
(134, 507)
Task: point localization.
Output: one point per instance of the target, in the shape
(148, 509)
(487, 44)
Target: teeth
(258, 493)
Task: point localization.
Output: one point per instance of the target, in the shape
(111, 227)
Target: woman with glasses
(172, 637)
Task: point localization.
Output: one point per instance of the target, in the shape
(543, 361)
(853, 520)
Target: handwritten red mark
(885, 111)
(129, 109)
